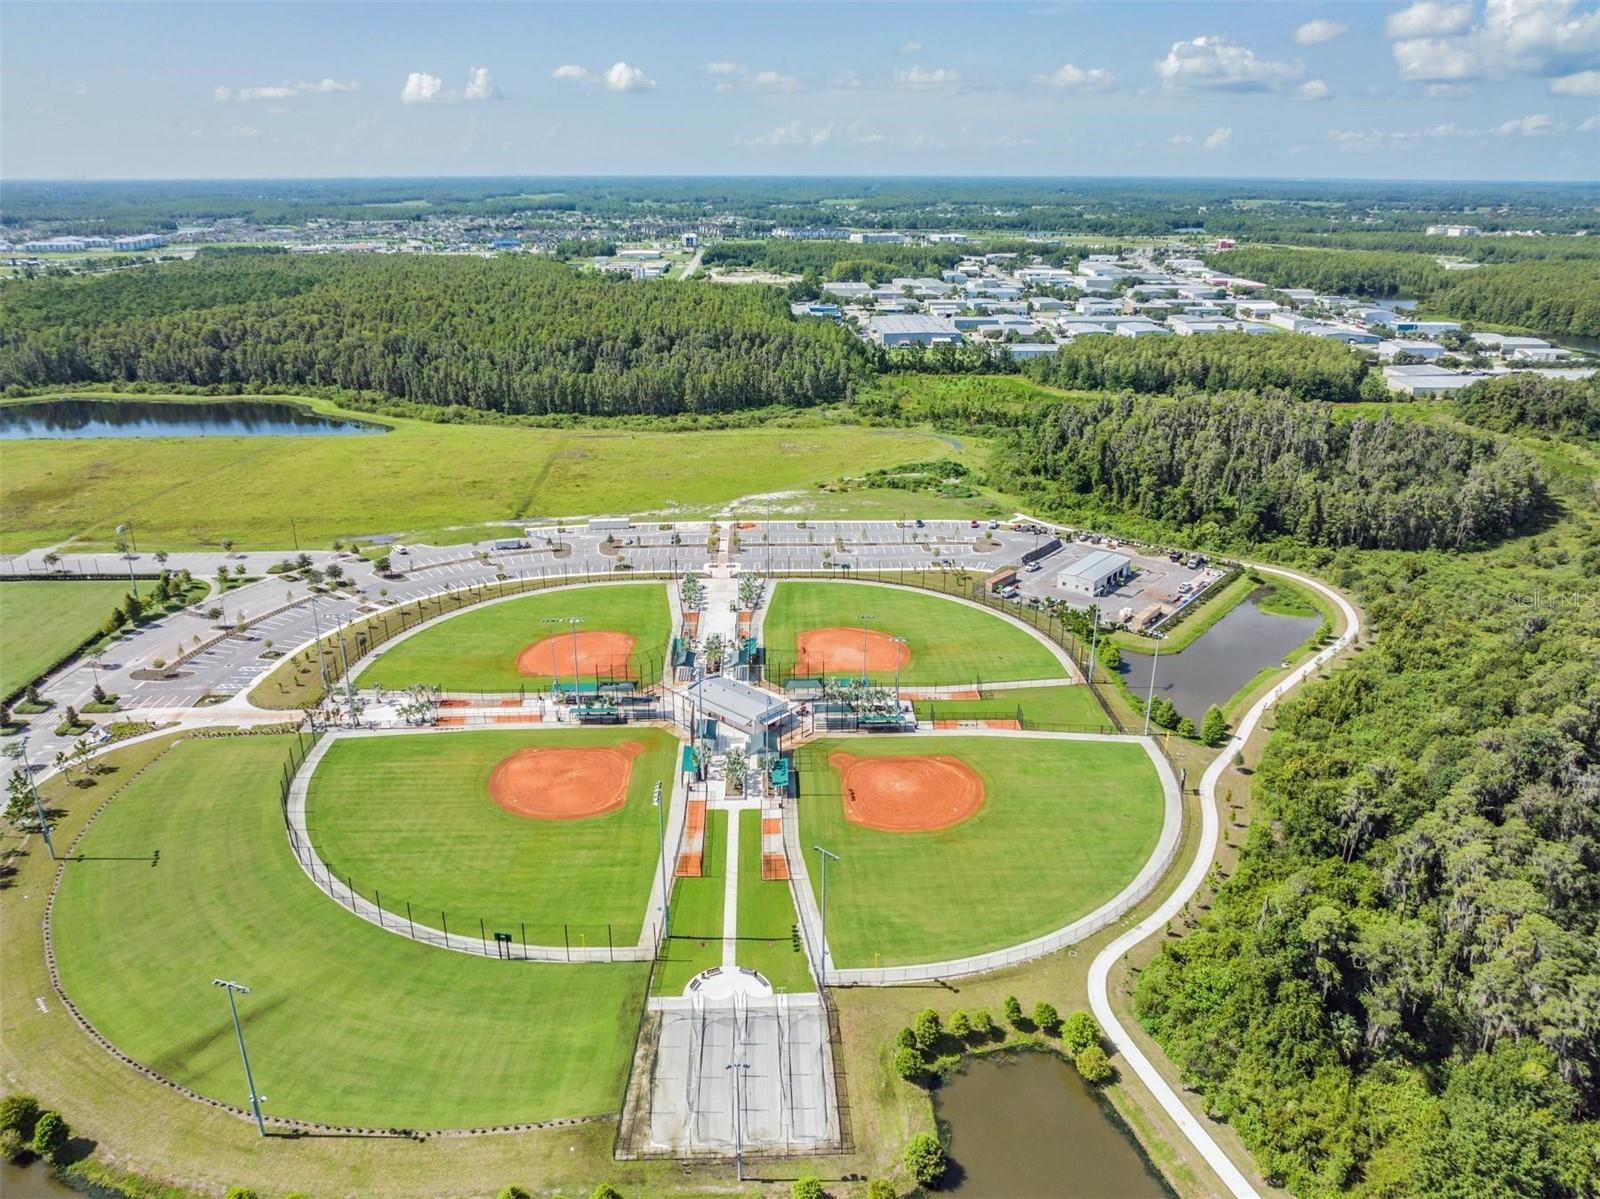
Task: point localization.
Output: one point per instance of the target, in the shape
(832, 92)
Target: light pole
(898, 642)
(661, 831)
(1094, 638)
(349, 684)
(133, 549)
(249, 1081)
(574, 621)
(823, 955)
(738, 1069)
(865, 621)
(316, 627)
(1150, 699)
(38, 804)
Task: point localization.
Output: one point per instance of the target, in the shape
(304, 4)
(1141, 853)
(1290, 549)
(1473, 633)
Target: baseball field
(526, 643)
(467, 824)
(186, 876)
(1056, 828)
(816, 629)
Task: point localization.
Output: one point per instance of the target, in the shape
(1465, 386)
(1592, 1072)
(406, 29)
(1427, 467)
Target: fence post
(524, 938)
(483, 935)
(566, 942)
(610, 953)
(349, 885)
(409, 922)
(377, 901)
(445, 924)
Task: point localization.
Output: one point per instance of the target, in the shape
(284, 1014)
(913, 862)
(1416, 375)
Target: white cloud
(920, 78)
(285, 91)
(926, 141)
(716, 68)
(1582, 83)
(755, 81)
(423, 88)
(1515, 37)
(1217, 64)
(1428, 18)
(1590, 124)
(1314, 33)
(573, 73)
(1313, 89)
(794, 134)
(1068, 78)
(848, 80)
(910, 48)
(620, 77)
(1215, 140)
(1529, 126)
(773, 81)
(244, 133)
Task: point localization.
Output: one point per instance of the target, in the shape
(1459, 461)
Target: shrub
(1013, 1010)
(1186, 728)
(807, 1186)
(50, 1135)
(905, 1039)
(513, 1191)
(1214, 726)
(1079, 1031)
(13, 1145)
(240, 1193)
(926, 1029)
(1093, 1064)
(18, 1113)
(982, 1022)
(881, 1188)
(960, 1025)
(604, 1191)
(924, 1157)
(908, 1064)
(1044, 1015)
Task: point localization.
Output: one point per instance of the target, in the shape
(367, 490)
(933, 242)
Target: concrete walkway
(1100, 969)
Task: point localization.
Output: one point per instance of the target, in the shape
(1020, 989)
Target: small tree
(1186, 728)
(132, 610)
(882, 1188)
(1079, 1031)
(1013, 1010)
(924, 1158)
(1093, 1065)
(905, 1039)
(240, 1193)
(161, 557)
(926, 1029)
(604, 1191)
(807, 1186)
(908, 1064)
(960, 1025)
(1214, 726)
(1044, 1015)
(513, 1191)
(982, 1023)
(50, 1135)
(19, 1113)
(383, 564)
(227, 545)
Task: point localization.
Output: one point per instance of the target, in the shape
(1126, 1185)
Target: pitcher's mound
(598, 653)
(907, 795)
(848, 651)
(564, 784)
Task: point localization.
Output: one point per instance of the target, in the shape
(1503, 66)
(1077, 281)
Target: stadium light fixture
(827, 855)
(127, 527)
(255, 1100)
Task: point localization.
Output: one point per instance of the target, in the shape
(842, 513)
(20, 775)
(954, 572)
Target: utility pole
(823, 955)
(1094, 638)
(898, 641)
(574, 621)
(738, 1069)
(316, 625)
(349, 684)
(38, 804)
(128, 529)
(865, 621)
(1150, 699)
(249, 1080)
(661, 831)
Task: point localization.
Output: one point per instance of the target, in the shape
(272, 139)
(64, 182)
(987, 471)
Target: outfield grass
(695, 943)
(346, 1023)
(42, 622)
(768, 937)
(189, 493)
(477, 650)
(949, 641)
(1068, 705)
(410, 817)
(1064, 826)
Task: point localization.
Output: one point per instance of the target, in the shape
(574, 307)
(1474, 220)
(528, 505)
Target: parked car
(972, 524)
(921, 524)
(1031, 567)
(1174, 555)
(1194, 562)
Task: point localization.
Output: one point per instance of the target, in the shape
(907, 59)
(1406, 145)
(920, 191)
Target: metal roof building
(1094, 574)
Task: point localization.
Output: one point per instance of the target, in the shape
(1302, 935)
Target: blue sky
(1480, 89)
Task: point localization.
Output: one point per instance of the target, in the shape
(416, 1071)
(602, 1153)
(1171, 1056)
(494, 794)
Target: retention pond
(67, 418)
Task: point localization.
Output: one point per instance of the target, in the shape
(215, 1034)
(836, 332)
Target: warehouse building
(1096, 574)
(911, 330)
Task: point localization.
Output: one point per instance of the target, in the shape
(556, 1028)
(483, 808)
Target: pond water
(33, 1181)
(1224, 658)
(72, 418)
(1025, 1126)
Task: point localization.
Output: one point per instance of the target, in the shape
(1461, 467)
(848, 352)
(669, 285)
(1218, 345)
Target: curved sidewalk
(317, 871)
(1100, 969)
(1143, 883)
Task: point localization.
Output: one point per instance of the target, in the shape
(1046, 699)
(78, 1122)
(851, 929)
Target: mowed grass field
(410, 817)
(766, 928)
(477, 650)
(190, 493)
(39, 622)
(695, 943)
(1068, 705)
(1064, 826)
(950, 643)
(346, 1023)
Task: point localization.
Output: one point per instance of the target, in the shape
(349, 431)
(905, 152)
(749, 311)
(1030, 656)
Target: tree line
(513, 334)
(834, 260)
(1564, 408)
(1257, 468)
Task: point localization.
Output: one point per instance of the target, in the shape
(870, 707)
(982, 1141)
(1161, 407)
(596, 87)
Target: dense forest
(1311, 368)
(1532, 295)
(1564, 408)
(1396, 995)
(834, 260)
(512, 334)
(1374, 273)
(1252, 469)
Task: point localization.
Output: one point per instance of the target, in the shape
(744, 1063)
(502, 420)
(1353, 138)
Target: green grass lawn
(346, 1023)
(410, 817)
(1070, 705)
(768, 938)
(477, 650)
(40, 622)
(189, 493)
(695, 943)
(1064, 826)
(949, 642)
